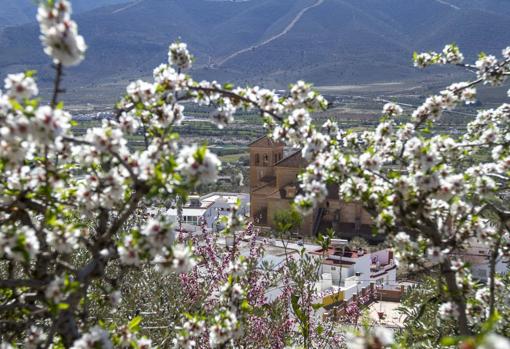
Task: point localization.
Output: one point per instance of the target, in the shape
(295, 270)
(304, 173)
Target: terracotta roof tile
(265, 142)
(293, 160)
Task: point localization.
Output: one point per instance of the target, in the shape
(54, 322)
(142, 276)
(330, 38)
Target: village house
(345, 272)
(478, 257)
(208, 209)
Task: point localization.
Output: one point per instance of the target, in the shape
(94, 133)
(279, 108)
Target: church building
(274, 184)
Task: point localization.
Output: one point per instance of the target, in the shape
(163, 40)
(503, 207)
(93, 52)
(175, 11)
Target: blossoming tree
(72, 209)
(73, 213)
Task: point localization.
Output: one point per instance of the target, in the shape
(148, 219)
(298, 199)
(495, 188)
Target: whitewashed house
(345, 273)
(478, 257)
(207, 210)
(383, 270)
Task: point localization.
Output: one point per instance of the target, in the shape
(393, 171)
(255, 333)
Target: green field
(233, 157)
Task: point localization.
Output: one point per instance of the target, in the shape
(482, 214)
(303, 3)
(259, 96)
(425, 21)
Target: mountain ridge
(336, 42)
(17, 12)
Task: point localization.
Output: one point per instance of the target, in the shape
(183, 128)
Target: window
(266, 160)
(192, 220)
(257, 159)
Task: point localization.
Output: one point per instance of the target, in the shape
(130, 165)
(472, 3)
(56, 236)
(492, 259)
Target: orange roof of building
(329, 261)
(265, 142)
(293, 160)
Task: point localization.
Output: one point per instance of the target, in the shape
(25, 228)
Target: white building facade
(345, 273)
(478, 256)
(208, 209)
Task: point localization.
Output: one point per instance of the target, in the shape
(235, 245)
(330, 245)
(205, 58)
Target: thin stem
(469, 67)
(15, 283)
(235, 96)
(492, 278)
(133, 204)
(145, 139)
(56, 85)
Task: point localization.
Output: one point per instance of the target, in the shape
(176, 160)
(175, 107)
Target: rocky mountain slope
(329, 42)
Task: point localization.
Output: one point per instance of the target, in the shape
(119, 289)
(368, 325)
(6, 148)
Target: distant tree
(358, 242)
(419, 310)
(287, 223)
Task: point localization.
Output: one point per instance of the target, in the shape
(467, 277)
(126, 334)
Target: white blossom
(494, 341)
(50, 123)
(506, 52)
(21, 245)
(490, 70)
(469, 95)
(34, 338)
(369, 161)
(128, 123)
(115, 298)
(383, 335)
(224, 114)
(141, 91)
(144, 343)
(59, 34)
(158, 234)
(173, 115)
(183, 261)
(392, 109)
(63, 240)
(379, 337)
(198, 164)
(452, 55)
(224, 329)
(55, 290)
(448, 310)
(179, 55)
(20, 86)
(95, 338)
(129, 251)
(423, 60)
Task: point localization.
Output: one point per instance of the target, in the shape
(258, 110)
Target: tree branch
(56, 86)
(13, 283)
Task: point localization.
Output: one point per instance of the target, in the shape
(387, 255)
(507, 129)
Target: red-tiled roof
(337, 251)
(265, 142)
(293, 160)
(337, 262)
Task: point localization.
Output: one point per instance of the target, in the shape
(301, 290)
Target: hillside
(16, 12)
(372, 40)
(274, 42)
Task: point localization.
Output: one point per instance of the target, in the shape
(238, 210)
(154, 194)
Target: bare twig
(56, 86)
(13, 283)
